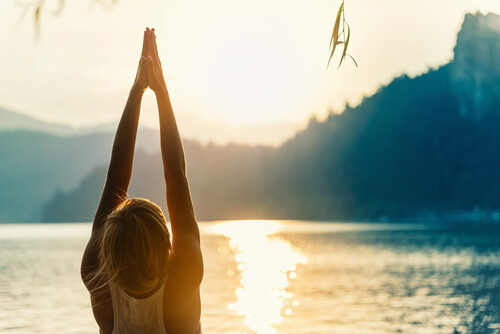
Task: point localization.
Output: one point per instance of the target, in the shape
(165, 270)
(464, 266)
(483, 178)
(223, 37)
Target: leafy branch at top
(37, 6)
(335, 39)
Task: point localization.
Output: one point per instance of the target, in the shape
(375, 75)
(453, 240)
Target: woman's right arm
(185, 232)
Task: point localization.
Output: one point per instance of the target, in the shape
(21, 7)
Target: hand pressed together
(150, 73)
(155, 72)
(141, 78)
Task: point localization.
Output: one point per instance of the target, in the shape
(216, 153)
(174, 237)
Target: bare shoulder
(186, 262)
(90, 261)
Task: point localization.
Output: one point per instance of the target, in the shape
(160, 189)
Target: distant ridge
(13, 121)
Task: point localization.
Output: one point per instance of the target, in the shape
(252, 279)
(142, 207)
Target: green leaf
(60, 8)
(37, 21)
(346, 44)
(335, 35)
(353, 60)
(37, 13)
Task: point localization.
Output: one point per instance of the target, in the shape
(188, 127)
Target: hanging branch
(335, 39)
(36, 6)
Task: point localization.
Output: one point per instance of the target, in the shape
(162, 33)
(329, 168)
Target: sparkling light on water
(266, 264)
(359, 278)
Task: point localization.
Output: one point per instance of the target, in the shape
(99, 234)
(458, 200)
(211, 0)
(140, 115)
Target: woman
(138, 281)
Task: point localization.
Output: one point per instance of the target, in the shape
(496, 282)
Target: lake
(281, 277)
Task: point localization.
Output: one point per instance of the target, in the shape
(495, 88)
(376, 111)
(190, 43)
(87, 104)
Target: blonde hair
(134, 247)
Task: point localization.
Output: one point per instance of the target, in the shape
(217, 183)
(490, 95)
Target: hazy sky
(245, 71)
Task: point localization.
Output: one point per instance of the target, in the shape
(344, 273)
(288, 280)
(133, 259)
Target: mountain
(226, 182)
(428, 144)
(39, 160)
(475, 70)
(420, 147)
(12, 121)
(34, 165)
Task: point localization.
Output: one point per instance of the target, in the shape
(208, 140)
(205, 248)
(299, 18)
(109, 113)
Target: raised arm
(120, 165)
(185, 232)
(122, 154)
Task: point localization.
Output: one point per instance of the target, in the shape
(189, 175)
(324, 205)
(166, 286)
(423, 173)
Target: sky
(237, 71)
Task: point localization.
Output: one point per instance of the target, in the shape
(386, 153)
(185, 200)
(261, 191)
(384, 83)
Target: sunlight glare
(265, 262)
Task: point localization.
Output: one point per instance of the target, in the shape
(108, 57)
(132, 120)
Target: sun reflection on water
(266, 263)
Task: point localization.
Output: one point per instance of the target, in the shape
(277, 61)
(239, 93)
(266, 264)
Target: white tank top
(132, 316)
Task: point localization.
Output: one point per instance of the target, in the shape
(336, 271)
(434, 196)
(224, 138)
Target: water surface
(281, 277)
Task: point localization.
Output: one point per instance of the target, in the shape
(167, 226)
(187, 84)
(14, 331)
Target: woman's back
(176, 305)
(132, 315)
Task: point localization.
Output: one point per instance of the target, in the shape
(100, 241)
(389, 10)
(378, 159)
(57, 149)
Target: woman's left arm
(120, 166)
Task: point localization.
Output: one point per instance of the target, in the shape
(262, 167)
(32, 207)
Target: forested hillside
(424, 144)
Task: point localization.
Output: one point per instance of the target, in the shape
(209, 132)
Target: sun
(253, 77)
(245, 65)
